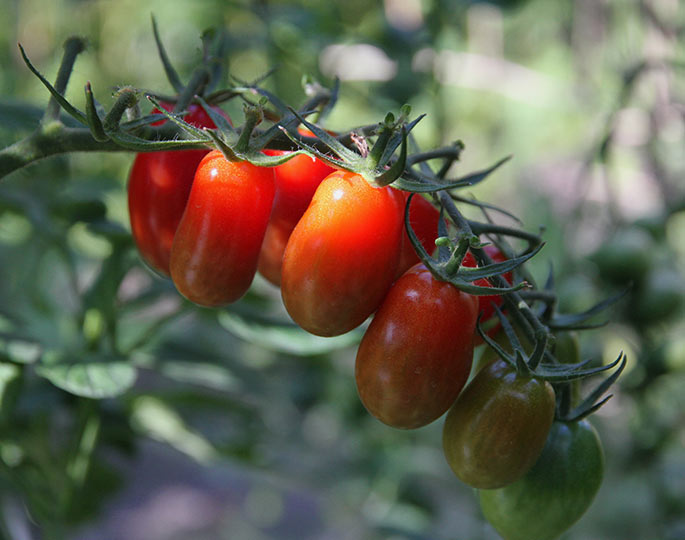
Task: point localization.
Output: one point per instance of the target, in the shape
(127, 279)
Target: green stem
(72, 48)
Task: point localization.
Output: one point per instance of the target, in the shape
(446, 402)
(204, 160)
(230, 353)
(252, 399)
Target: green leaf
(93, 376)
(283, 337)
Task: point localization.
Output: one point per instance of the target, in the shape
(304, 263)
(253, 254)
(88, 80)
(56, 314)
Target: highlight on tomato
(555, 492)
(342, 256)
(158, 188)
(216, 246)
(296, 182)
(497, 427)
(416, 355)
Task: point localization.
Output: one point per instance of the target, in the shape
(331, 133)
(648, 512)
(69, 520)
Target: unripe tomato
(216, 246)
(296, 182)
(497, 428)
(158, 188)
(423, 218)
(342, 256)
(416, 355)
(626, 256)
(556, 492)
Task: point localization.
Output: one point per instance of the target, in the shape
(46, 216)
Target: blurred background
(127, 413)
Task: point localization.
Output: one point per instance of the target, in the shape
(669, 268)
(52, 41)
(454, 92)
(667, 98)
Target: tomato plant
(216, 246)
(158, 188)
(487, 303)
(555, 492)
(296, 182)
(498, 425)
(342, 256)
(416, 355)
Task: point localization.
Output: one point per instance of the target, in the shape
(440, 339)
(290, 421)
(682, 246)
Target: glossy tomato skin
(416, 355)
(556, 492)
(158, 188)
(342, 256)
(216, 246)
(497, 428)
(423, 218)
(296, 182)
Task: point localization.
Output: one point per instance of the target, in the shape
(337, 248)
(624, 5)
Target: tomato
(296, 182)
(342, 255)
(497, 428)
(658, 297)
(216, 246)
(416, 355)
(626, 256)
(158, 188)
(423, 217)
(556, 492)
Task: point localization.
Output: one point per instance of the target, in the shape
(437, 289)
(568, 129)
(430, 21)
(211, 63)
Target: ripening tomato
(556, 492)
(416, 355)
(216, 246)
(296, 182)
(423, 218)
(497, 428)
(342, 255)
(158, 188)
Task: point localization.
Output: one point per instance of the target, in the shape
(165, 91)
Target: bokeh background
(232, 424)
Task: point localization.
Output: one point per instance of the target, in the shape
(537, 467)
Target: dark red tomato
(296, 182)
(342, 256)
(216, 246)
(416, 355)
(423, 218)
(488, 303)
(158, 188)
(556, 492)
(495, 431)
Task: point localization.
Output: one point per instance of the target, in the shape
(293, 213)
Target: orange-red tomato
(216, 246)
(296, 182)
(416, 355)
(158, 188)
(342, 256)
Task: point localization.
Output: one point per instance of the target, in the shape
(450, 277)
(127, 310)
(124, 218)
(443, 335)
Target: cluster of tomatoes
(337, 248)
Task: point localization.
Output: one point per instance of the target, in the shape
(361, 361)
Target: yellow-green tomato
(497, 428)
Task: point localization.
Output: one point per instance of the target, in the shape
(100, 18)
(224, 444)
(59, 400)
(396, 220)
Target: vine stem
(72, 48)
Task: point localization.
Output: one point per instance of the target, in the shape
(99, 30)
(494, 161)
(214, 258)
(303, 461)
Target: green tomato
(658, 298)
(556, 492)
(495, 431)
(626, 256)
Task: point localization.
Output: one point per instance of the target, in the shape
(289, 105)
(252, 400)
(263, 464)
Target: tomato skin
(342, 255)
(424, 218)
(497, 428)
(158, 188)
(556, 492)
(296, 182)
(416, 355)
(216, 246)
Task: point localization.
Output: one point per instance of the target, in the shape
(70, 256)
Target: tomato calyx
(448, 266)
(377, 164)
(531, 364)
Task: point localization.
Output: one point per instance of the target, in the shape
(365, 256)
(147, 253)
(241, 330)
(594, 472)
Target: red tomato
(487, 303)
(416, 355)
(342, 256)
(424, 219)
(158, 188)
(216, 246)
(296, 182)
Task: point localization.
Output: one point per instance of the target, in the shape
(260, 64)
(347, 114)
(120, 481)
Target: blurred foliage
(102, 365)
